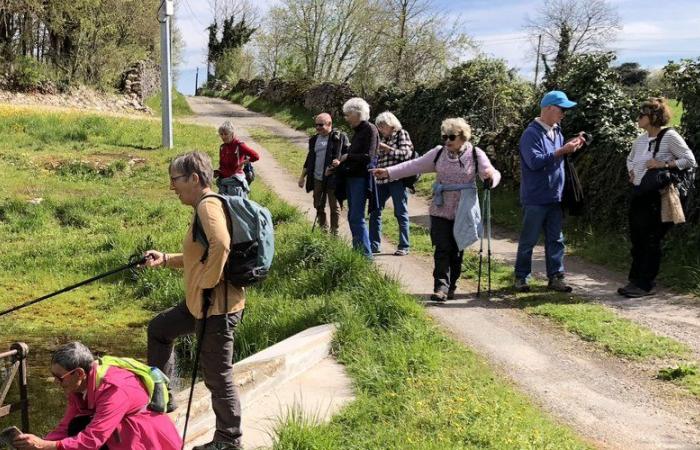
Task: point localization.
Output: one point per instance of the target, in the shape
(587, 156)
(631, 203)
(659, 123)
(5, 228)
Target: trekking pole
(73, 286)
(323, 201)
(205, 309)
(481, 250)
(487, 194)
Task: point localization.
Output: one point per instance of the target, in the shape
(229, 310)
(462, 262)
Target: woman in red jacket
(233, 156)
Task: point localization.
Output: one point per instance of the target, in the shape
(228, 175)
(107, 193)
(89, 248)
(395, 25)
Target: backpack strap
(657, 143)
(198, 233)
(438, 155)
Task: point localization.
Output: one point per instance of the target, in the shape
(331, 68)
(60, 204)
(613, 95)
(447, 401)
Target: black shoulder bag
(655, 179)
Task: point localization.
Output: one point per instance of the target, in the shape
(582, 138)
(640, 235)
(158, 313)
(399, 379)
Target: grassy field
(81, 193)
(180, 106)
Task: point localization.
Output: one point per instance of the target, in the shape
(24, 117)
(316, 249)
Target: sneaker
(636, 292)
(521, 285)
(558, 284)
(401, 252)
(438, 296)
(376, 252)
(214, 445)
(451, 294)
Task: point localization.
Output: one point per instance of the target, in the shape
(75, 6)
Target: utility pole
(196, 81)
(164, 14)
(537, 58)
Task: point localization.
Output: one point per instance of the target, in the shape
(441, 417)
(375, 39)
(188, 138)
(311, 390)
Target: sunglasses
(319, 125)
(60, 379)
(450, 137)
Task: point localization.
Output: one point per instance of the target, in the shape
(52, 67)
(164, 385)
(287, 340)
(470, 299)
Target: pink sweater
(449, 171)
(120, 418)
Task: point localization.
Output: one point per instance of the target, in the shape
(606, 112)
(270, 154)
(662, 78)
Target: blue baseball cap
(556, 98)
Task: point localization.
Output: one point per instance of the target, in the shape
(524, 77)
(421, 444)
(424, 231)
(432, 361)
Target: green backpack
(153, 379)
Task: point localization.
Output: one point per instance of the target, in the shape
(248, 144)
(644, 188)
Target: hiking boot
(213, 445)
(521, 285)
(558, 284)
(438, 296)
(636, 292)
(451, 294)
(622, 290)
(401, 252)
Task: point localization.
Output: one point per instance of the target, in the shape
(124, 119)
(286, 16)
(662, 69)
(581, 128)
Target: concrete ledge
(258, 374)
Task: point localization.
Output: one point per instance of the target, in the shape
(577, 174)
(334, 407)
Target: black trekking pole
(481, 250)
(205, 309)
(487, 195)
(74, 286)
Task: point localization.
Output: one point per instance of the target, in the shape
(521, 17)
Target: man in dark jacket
(317, 174)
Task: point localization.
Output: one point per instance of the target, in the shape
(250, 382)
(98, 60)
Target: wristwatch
(666, 166)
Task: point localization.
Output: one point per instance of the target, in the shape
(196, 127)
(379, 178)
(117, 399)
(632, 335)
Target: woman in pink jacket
(110, 416)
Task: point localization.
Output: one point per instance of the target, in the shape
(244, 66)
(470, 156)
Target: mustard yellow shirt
(208, 274)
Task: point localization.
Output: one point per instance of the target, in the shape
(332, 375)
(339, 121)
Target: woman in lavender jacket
(454, 165)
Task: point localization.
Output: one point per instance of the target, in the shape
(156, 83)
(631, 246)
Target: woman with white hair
(395, 147)
(234, 154)
(353, 167)
(454, 216)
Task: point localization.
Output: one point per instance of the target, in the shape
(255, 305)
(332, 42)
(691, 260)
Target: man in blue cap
(542, 151)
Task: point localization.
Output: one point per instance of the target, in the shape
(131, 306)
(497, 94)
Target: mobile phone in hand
(8, 435)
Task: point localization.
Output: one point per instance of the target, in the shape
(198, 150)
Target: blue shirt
(541, 173)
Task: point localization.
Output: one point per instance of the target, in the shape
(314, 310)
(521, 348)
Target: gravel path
(600, 397)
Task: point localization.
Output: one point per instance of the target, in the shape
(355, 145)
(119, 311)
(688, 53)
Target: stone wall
(141, 80)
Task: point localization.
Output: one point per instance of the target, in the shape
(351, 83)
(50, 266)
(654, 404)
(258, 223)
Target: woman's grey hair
(226, 128)
(388, 119)
(458, 126)
(194, 162)
(73, 355)
(358, 106)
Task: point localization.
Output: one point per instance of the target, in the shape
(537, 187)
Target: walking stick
(486, 208)
(74, 286)
(205, 309)
(323, 200)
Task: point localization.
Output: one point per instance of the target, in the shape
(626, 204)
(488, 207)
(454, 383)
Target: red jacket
(232, 156)
(120, 418)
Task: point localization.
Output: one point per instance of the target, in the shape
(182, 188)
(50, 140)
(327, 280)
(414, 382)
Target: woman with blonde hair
(454, 211)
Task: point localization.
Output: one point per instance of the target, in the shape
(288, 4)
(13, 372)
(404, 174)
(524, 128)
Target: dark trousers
(447, 257)
(78, 424)
(216, 361)
(321, 197)
(646, 233)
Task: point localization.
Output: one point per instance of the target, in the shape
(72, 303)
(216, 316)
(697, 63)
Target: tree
(226, 54)
(631, 74)
(590, 24)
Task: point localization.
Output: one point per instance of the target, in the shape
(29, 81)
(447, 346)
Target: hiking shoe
(376, 252)
(558, 284)
(622, 290)
(636, 292)
(451, 294)
(401, 252)
(521, 285)
(214, 445)
(438, 296)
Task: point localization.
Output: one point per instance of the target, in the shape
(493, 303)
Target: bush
(27, 75)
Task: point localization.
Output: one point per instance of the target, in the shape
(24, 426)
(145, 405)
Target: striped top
(672, 147)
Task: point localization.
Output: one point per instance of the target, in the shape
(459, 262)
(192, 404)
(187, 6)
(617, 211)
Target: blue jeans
(399, 197)
(356, 190)
(536, 218)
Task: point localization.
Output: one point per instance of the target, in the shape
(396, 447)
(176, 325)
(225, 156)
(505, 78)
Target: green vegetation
(677, 112)
(686, 375)
(295, 116)
(180, 106)
(416, 388)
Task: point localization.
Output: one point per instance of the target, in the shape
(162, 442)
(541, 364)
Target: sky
(653, 33)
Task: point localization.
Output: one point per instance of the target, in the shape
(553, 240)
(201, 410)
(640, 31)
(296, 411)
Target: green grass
(416, 387)
(676, 112)
(295, 116)
(180, 106)
(686, 375)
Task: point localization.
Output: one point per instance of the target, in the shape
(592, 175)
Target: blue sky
(653, 32)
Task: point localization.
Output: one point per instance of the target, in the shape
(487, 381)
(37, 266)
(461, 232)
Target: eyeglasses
(319, 125)
(450, 137)
(60, 379)
(173, 179)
